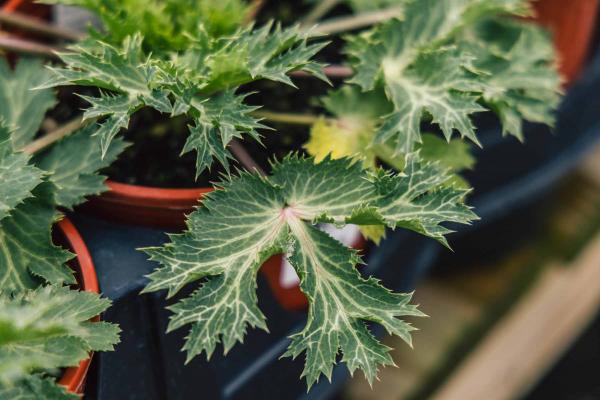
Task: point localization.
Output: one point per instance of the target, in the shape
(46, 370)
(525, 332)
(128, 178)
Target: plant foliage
(439, 63)
(251, 218)
(200, 82)
(165, 25)
(21, 108)
(45, 329)
(447, 60)
(44, 326)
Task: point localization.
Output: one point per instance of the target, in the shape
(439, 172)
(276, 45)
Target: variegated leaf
(200, 82)
(22, 108)
(17, 176)
(27, 255)
(250, 218)
(47, 328)
(423, 71)
(73, 164)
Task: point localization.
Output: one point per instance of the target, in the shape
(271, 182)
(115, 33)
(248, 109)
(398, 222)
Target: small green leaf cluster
(200, 82)
(43, 330)
(449, 59)
(43, 324)
(166, 25)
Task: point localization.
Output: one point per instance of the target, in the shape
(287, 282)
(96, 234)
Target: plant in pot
(49, 313)
(428, 64)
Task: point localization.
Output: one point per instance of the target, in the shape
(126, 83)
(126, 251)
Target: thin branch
(238, 150)
(319, 10)
(286, 118)
(27, 23)
(343, 24)
(331, 71)
(242, 155)
(13, 44)
(53, 136)
(253, 11)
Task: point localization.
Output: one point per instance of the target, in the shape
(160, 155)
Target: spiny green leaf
(340, 303)
(268, 52)
(250, 218)
(352, 131)
(166, 25)
(200, 82)
(26, 249)
(229, 245)
(437, 83)
(35, 387)
(48, 328)
(521, 82)
(419, 200)
(124, 71)
(22, 108)
(17, 176)
(422, 70)
(73, 164)
(220, 119)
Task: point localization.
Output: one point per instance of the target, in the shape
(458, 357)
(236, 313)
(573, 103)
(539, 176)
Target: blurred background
(522, 324)
(514, 310)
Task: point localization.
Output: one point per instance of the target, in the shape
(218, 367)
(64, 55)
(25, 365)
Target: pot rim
(139, 194)
(12, 5)
(74, 377)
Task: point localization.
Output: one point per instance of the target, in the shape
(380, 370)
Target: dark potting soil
(154, 158)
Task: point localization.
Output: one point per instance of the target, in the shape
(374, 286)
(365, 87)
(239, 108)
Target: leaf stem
(242, 155)
(286, 118)
(253, 11)
(38, 26)
(23, 46)
(54, 136)
(318, 11)
(343, 24)
(331, 71)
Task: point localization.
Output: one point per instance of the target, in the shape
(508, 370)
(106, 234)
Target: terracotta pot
(572, 24)
(74, 377)
(28, 7)
(146, 206)
(12, 5)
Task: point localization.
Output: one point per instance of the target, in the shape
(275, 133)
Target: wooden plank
(450, 313)
(533, 335)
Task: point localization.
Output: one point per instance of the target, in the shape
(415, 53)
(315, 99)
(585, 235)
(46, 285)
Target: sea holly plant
(383, 156)
(252, 218)
(44, 324)
(199, 82)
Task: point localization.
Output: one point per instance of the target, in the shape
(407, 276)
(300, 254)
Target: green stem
(287, 118)
(244, 158)
(344, 24)
(54, 136)
(253, 11)
(22, 46)
(35, 25)
(319, 10)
